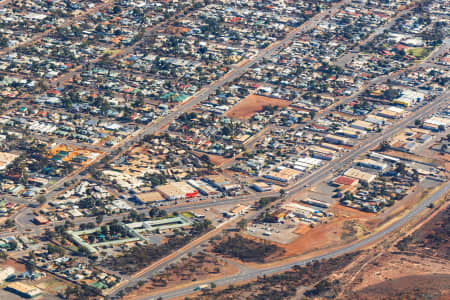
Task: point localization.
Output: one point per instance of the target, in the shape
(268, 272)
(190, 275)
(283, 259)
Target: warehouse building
(409, 98)
(351, 133)
(434, 123)
(24, 290)
(149, 198)
(360, 175)
(321, 153)
(283, 175)
(334, 139)
(372, 164)
(5, 272)
(392, 112)
(362, 125)
(6, 159)
(203, 187)
(261, 187)
(177, 191)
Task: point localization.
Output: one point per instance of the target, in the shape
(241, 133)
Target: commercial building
(377, 120)
(6, 159)
(372, 164)
(177, 191)
(24, 290)
(362, 125)
(360, 175)
(203, 187)
(351, 133)
(306, 163)
(5, 272)
(392, 112)
(40, 220)
(149, 198)
(409, 98)
(434, 123)
(221, 183)
(322, 153)
(298, 210)
(261, 187)
(334, 139)
(343, 180)
(283, 175)
(237, 210)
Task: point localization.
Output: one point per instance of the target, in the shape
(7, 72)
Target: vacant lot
(247, 250)
(252, 104)
(198, 267)
(433, 286)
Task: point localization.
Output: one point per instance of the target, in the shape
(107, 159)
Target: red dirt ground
(252, 104)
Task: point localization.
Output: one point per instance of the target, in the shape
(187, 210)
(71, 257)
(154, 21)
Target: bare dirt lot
(252, 104)
(392, 274)
(198, 267)
(416, 266)
(414, 157)
(433, 286)
(321, 237)
(50, 285)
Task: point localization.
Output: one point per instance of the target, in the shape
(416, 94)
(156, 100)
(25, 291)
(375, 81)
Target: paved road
(24, 218)
(315, 177)
(251, 274)
(67, 22)
(234, 74)
(343, 60)
(204, 93)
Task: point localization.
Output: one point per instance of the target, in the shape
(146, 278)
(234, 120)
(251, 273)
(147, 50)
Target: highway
(201, 95)
(23, 218)
(317, 176)
(252, 274)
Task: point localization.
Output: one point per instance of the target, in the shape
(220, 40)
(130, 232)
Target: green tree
(3, 255)
(41, 199)
(99, 219)
(30, 265)
(12, 245)
(242, 224)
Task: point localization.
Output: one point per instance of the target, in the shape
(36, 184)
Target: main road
(203, 94)
(314, 177)
(24, 217)
(251, 274)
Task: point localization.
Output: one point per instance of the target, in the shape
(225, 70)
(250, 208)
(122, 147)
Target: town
(155, 149)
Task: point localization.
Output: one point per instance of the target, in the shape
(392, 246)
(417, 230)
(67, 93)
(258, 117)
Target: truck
(201, 287)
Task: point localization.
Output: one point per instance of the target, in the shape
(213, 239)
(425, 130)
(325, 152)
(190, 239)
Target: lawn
(419, 53)
(187, 215)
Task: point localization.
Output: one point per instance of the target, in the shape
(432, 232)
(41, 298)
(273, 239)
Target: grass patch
(419, 53)
(187, 215)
